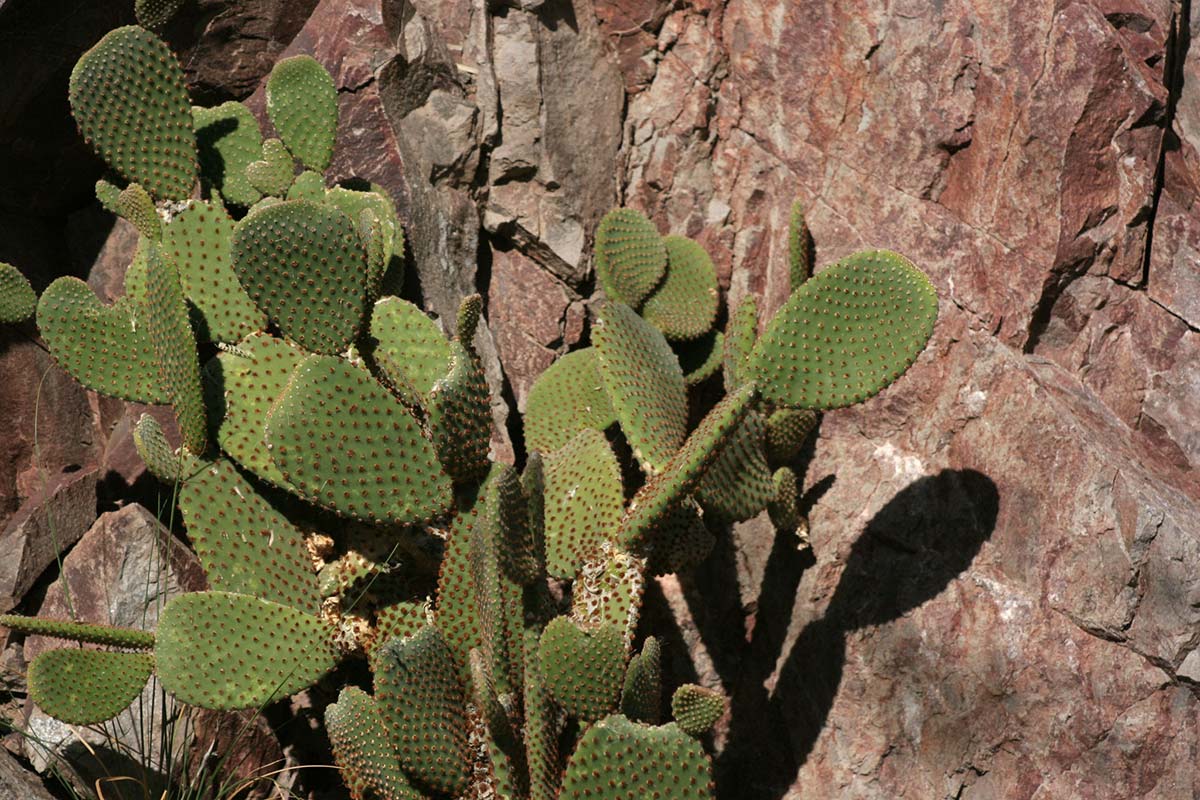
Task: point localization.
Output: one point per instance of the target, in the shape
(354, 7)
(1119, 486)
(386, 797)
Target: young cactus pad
(846, 333)
(227, 141)
(302, 105)
(17, 300)
(363, 750)
(617, 759)
(630, 256)
(685, 305)
(86, 687)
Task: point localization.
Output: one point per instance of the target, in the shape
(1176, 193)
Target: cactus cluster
(334, 476)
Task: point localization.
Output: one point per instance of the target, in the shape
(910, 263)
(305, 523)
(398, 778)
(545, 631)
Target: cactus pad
(175, 344)
(799, 252)
(128, 96)
(86, 687)
(362, 749)
(344, 443)
(106, 348)
(630, 256)
(737, 485)
(583, 502)
(198, 240)
(303, 263)
(308, 185)
(681, 541)
(621, 760)
(107, 194)
(663, 492)
(701, 359)
(543, 722)
(135, 205)
(79, 631)
(784, 505)
(460, 416)
(583, 671)
(457, 611)
(156, 13)
(244, 543)
(518, 552)
(230, 651)
(302, 105)
(355, 204)
(17, 300)
(787, 431)
(227, 141)
(641, 694)
(846, 333)
(644, 382)
(409, 348)
(568, 397)
(272, 174)
(696, 709)
(161, 459)
(684, 305)
(422, 703)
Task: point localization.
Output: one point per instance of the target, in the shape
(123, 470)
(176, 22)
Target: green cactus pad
(107, 193)
(641, 694)
(846, 333)
(543, 724)
(608, 592)
(737, 485)
(156, 13)
(518, 551)
(568, 397)
(645, 383)
(497, 596)
(263, 205)
(87, 687)
(621, 760)
(422, 703)
(457, 612)
(533, 486)
(241, 389)
(128, 96)
(229, 651)
(197, 239)
(701, 359)
(308, 185)
(302, 105)
(787, 431)
(410, 349)
(696, 709)
(273, 172)
(663, 492)
(345, 444)
(460, 417)
(227, 141)
(684, 306)
(583, 671)
(79, 631)
(135, 205)
(363, 751)
(681, 541)
(106, 348)
(799, 252)
(303, 263)
(583, 502)
(741, 332)
(175, 345)
(163, 461)
(784, 505)
(355, 204)
(17, 300)
(400, 620)
(630, 256)
(245, 544)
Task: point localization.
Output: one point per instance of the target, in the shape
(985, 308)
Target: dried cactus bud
(302, 105)
(630, 256)
(17, 300)
(87, 687)
(696, 709)
(129, 98)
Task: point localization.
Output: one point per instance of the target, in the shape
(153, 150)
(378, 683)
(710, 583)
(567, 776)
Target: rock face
(1001, 597)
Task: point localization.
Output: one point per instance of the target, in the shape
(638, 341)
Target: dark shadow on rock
(924, 538)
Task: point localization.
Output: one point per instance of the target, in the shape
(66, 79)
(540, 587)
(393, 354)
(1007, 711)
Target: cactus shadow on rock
(910, 551)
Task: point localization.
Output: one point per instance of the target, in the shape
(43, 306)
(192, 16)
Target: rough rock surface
(1001, 597)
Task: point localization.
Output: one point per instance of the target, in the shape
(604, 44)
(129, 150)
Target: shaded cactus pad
(128, 96)
(622, 760)
(846, 333)
(86, 687)
(696, 708)
(17, 300)
(228, 141)
(302, 105)
(583, 671)
(363, 750)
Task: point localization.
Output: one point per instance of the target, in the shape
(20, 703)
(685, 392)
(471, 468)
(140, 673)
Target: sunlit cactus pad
(107, 635)
(273, 172)
(244, 543)
(423, 706)
(644, 382)
(136, 206)
(684, 306)
(741, 332)
(175, 345)
(460, 416)
(702, 358)
(302, 105)
(106, 348)
(568, 397)
(630, 256)
(583, 671)
(457, 611)
(230, 651)
(346, 444)
(363, 750)
(17, 300)
(227, 141)
(85, 687)
(303, 263)
(846, 333)
(584, 501)
(128, 96)
(409, 348)
(617, 759)
(696, 708)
